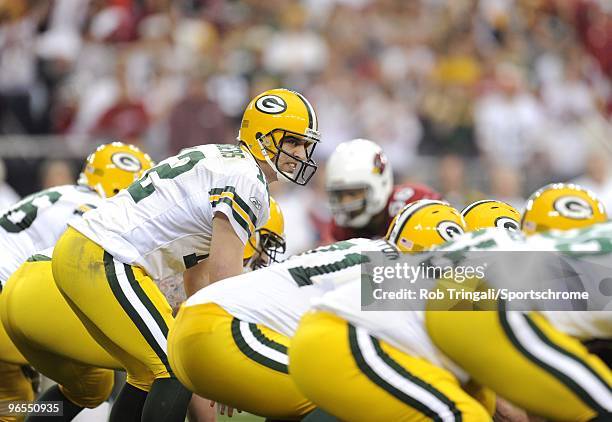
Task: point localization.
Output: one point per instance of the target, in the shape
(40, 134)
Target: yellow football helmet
(423, 224)
(561, 206)
(267, 241)
(491, 213)
(112, 167)
(275, 117)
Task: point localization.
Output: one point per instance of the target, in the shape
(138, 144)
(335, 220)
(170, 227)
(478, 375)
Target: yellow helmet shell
(561, 206)
(272, 112)
(275, 224)
(113, 167)
(491, 213)
(423, 224)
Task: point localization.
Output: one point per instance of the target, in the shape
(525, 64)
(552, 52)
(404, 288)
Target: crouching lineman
(361, 193)
(36, 222)
(80, 366)
(491, 213)
(192, 214)
(366, 366)
(539, 360)
(231, 340)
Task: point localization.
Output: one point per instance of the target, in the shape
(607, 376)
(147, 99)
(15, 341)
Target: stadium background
(478, 98)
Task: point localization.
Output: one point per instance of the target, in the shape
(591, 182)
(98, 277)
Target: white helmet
(355, 165)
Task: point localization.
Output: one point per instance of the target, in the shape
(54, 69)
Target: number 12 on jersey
(167, 169)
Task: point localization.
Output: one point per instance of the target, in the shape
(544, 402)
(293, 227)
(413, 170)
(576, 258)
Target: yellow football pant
(52, 338)
(120, 306)
(230, 361)
(14, 386)
(356, 377)
(524, 359)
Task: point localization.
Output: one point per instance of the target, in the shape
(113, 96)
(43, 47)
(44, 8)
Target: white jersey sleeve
(243, 200)
(163, 222)
(278, 296)
(37, 221)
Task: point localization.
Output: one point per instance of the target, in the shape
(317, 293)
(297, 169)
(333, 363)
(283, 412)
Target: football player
(561, 206)
(192, 214)
(37, 221)
(491, 213)
(363, 199)
(80, 366)
(366, 366)
(230, 341)
(540, 360)
(267, 244)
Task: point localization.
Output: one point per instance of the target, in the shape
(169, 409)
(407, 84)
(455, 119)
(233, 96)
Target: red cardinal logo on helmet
(380, 162)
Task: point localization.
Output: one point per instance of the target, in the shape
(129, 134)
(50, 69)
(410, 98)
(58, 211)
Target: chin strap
(266, 156)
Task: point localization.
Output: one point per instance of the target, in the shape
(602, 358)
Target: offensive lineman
(542, 364)
(80, 365)
(491, 213)
(363, 199)
(191, 214)
(36, 222)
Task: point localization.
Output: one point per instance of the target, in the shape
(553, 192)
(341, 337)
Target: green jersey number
(171, 168)
(22, 215)
(303, 275)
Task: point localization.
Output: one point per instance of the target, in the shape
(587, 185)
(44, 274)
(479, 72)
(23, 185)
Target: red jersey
(400, 196)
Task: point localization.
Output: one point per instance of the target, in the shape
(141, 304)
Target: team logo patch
(380, 162)
(507, 223)
(573, 207)
(255, 202)
(271, 104)
(449, 230)
(126, 161)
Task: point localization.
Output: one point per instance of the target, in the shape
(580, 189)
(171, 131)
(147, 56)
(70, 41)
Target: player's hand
(222, 407)
(506, 412)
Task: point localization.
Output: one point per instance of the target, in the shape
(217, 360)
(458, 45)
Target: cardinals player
(361, 193)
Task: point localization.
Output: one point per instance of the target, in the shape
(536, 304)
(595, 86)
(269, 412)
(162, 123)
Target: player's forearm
(195, 278)
(223, 270)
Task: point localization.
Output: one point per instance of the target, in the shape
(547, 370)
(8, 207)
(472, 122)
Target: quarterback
(231, 340)
(192, 214)
(361, 193)
(36, 222)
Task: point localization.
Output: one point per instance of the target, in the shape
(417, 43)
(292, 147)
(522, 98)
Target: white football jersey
(37, 221)
(163, 222)
(277, 296)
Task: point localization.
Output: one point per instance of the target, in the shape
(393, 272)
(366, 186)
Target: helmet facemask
(304, 169)
(268, 246)
(353, 213)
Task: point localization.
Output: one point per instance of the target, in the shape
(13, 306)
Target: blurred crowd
(476, 97)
